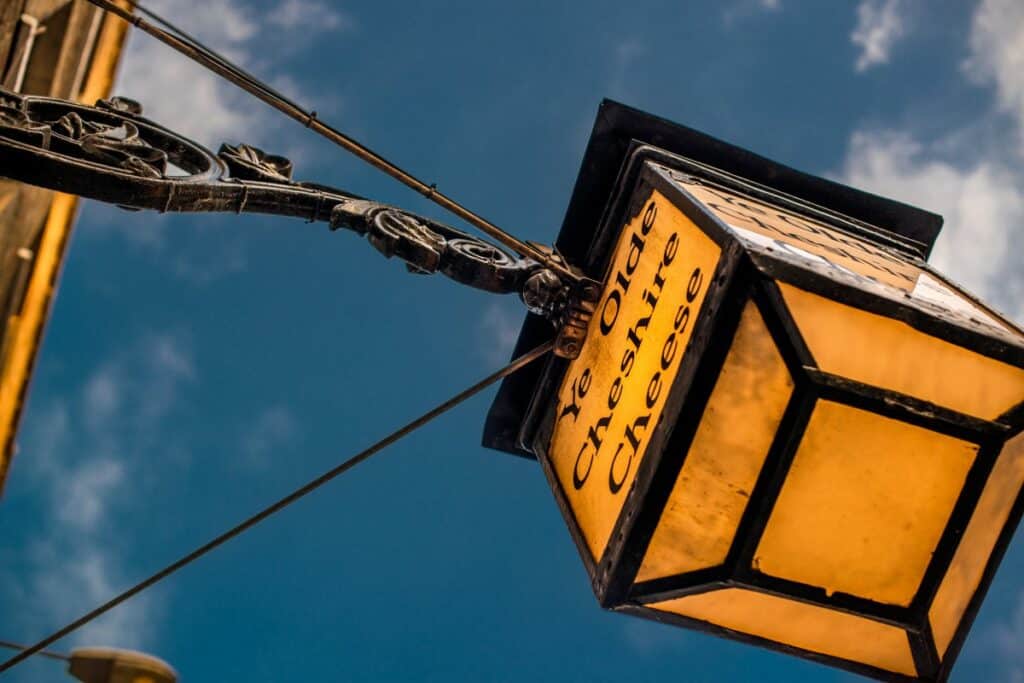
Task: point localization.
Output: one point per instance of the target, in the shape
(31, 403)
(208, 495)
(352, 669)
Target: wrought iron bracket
(113, 154)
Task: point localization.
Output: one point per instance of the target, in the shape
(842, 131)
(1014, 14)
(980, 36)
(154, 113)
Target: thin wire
(196, 51)
(282, 503)
(42, 653)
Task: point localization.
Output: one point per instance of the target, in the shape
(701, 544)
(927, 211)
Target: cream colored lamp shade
(111, 665)
(784, 426)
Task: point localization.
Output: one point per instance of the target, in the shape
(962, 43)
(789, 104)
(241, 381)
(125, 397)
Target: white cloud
(625, 56)
(181, 94)
(973, 176)
(307, 14)
(1008, 641)
(498, 330)
(79, 577)
(742, 9)
(982, 201)
(997, 53)
(84, 453)
(274, 428)
(189, 99)
(84, 491)
(192, 100)
(880, 24)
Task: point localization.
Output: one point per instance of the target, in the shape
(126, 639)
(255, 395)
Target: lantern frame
(523, 415)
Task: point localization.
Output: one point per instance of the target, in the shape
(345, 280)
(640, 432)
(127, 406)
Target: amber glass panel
(736, 430)
(964, 575)
(890, 354)
(612, 396)
(807, 627)
(864, 504)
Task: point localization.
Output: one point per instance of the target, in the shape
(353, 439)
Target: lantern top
(621, 134)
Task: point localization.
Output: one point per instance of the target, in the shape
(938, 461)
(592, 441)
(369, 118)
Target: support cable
(42, 653)
(517, 364)
(196, 51)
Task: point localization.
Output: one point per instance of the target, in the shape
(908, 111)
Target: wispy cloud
(1007, 639)
(973, 176)
(84, 453)
(742, 9)
(200, 104)
(498, 330)
(627, 53)
(880, 25)
(981, 198)
(309, 14)
(191, 100)
(997, 55)
(274, 428)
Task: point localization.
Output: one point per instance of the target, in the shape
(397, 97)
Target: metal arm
(113, 154)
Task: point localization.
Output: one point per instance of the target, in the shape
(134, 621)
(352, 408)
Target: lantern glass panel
(891, 354)
(612, 397)
(972, 555)
(713, 487)
(808, 627)
(864, 504)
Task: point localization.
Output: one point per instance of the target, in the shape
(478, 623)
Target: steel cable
(37, 648)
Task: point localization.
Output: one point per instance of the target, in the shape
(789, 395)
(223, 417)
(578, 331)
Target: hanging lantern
(784, 426)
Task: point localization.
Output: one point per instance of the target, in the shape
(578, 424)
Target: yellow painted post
(28, 328)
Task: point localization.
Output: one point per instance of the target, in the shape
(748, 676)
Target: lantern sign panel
(656, 287)
(784, 427)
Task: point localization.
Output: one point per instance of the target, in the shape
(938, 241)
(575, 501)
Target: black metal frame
(111, 153)
(747, 274)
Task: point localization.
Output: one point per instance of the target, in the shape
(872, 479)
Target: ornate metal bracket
(113, 154)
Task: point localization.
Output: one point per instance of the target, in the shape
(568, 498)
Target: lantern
(784, 426)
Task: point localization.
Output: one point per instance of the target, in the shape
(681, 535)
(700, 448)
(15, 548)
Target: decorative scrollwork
(246, 162)
(123, 105)
(111, 153)
(119, 146)
(397, 233)
(429, 247)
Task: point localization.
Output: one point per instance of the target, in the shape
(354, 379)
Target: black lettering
(606, 324)
(594, 434)
(579, 480)
(649, 215)
(668, 351)
(626, 366)
(653, 390)
(659, 279)
(671, 246)
(682, 318)
(615, 393)
(634, 332)
(622, 281)
(694, 285)
(636, 247)
(615, 485)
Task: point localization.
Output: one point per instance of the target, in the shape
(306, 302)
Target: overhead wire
(251, 521)
(50, 654)
(195, 50)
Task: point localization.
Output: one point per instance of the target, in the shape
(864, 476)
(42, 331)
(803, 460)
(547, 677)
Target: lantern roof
(622, 133)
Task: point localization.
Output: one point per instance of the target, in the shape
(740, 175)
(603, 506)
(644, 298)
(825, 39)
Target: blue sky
(197, 367)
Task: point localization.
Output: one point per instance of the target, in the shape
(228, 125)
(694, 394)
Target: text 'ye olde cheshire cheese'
(613, 394)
